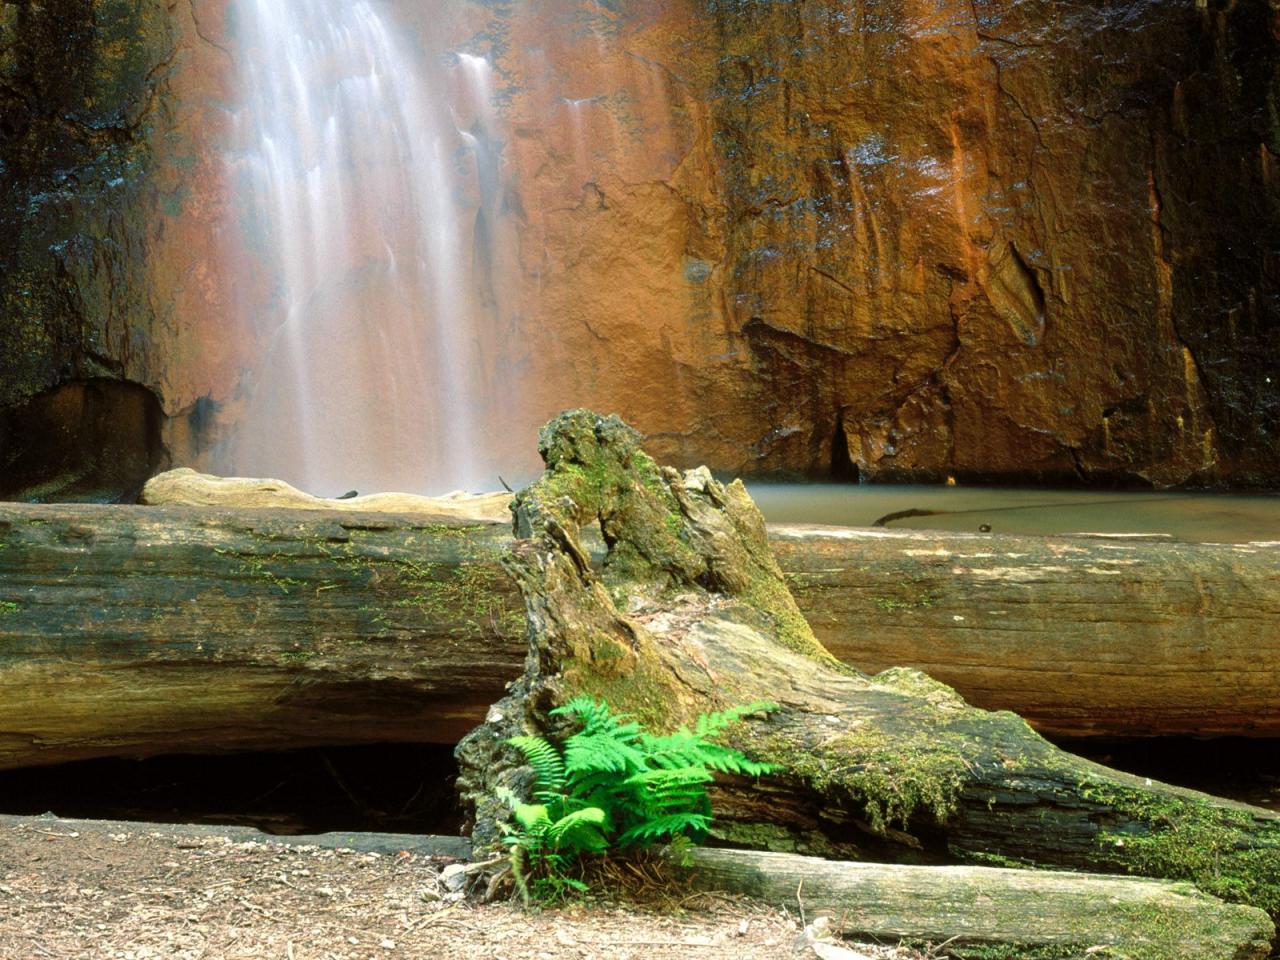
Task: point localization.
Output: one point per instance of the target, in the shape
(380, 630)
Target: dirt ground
(71, 890)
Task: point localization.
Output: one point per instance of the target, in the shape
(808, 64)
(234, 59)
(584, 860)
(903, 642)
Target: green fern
(613, 784)
(547, 764)
(669, 825)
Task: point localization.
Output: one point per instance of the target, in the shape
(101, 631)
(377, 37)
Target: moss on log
(131, 631)
(127, 631)
(984, 913)
(689, 613)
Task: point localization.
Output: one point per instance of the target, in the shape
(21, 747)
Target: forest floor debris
(76, 891)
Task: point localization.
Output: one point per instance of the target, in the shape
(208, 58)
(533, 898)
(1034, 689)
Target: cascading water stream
(353, 186)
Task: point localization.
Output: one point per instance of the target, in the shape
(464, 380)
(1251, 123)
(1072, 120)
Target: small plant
(614, 786)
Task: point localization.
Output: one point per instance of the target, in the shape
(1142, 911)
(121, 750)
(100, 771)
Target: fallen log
(1125, 636)
(137, 631)
(129, 631)
(1080, 635)
(186, 488)
(689, 613)
(985, 913)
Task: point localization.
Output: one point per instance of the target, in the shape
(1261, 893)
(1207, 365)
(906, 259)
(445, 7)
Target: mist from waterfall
(356, 192)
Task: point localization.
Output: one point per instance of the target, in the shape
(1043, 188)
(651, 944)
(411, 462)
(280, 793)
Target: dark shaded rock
(78, 81)
(87, 441)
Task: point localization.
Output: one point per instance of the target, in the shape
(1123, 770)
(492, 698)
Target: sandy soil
(70, 890)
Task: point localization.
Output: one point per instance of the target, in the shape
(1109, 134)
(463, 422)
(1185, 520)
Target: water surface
(1226, 518)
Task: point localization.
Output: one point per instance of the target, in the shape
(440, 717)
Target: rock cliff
(1015, 240)
(115, 336)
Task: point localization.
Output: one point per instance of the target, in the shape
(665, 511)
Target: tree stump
(689, 613)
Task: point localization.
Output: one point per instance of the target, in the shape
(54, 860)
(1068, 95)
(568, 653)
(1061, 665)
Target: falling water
(354, 190)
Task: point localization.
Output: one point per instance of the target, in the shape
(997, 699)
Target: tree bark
(996, 914)
(127, 630)
(1080, 635)
(690, 614)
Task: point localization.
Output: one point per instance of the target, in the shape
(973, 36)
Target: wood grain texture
(1080, 635)
(977, 910)
(136, 631)
(127, 630)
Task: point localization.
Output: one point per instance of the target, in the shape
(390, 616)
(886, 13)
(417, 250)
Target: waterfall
(355, 193)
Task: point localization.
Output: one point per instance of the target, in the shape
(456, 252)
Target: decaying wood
(983, 912)
(135, 631)
(127, 630)
(690, 613)
(185, 487)
(1080, 635)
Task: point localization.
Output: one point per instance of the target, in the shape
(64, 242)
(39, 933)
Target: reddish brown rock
(903, 239)
(112, 266)
(996, 240)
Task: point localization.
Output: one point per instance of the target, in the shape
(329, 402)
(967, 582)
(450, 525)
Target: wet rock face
(1071, 313)
(108, 205)
(74, 99)
(1012, 240)
(905, 239)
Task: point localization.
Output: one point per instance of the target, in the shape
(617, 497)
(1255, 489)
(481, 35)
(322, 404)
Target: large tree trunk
(1082, 636)
(127, 631)
(136, 631)
(993, 914)
(691, 614)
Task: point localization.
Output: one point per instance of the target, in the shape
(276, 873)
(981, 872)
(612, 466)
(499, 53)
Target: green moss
(918, 767)
(468, 588)
(892, 604)
(8, 607)
(1019, 951)
(770, 595)
(776, 838)
(258, 567)
(596, 470)
(638, 686)
(462, 533)
(916, 683)
(894, 778)
(469, 591)
(1227, 853)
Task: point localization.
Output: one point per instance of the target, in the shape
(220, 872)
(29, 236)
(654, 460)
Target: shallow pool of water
(1223, 518)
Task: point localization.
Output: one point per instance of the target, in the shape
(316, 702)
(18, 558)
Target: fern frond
(670, 825)
(579, 832)
(586, 753)
(660, 780)
(596, 718)
(709, 724)
(673, 750)
(614, 783)
(685, 749)
(586, 709)
(728, 760)
(532, 816)
(547, 763)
